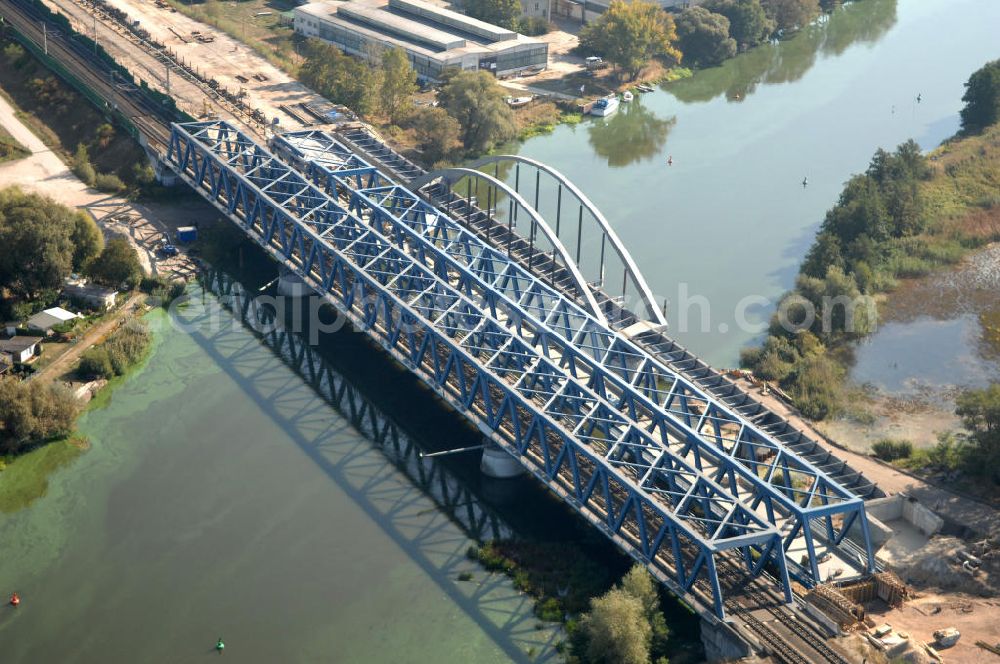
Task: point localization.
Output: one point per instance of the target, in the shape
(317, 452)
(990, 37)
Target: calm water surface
(730, 219)
(223, 497)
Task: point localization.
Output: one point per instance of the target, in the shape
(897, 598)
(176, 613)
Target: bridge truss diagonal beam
(766, 474)
(662, 510)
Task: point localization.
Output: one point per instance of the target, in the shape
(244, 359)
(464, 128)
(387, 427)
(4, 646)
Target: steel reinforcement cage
(669, 474)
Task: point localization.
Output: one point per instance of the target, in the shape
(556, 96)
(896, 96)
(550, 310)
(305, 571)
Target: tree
(791, 14)
(87, 241)
(748, 23)
(617, 630)
(33, 412)
(982, 98)
(630, 34)
(824, 254)
(116, 265)
(704, 36)
(339, 77)
(398, 83)
(980, 413)
(640, 584)
(437, 133)
(36, 250)
(476, 100)
(498, 12)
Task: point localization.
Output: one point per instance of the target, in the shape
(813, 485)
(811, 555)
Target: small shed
(20, 349)
(46, 320)
(91, 295)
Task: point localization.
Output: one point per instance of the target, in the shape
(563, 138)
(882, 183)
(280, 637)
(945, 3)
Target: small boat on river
(627, 96)
(604, 107)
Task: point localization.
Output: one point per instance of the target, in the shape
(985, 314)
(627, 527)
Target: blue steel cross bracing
(635, 449)
(781, 479)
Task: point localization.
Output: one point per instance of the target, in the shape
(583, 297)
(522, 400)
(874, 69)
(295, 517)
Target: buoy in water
(15, 600)
(805, 182)
(219, 645)
(670, 160)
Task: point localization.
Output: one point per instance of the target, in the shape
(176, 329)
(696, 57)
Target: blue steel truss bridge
(492, 294)
(675, 476)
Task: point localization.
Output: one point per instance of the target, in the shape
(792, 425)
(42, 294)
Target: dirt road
(93, 336)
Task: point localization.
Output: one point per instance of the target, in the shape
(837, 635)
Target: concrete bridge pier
(722, 642)
(498, 463)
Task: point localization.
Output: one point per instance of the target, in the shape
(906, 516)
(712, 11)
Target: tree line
(630, 34)
(472, 115)
(44, 242)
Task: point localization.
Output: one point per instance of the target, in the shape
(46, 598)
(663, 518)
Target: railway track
(90, 70)
(744, 598)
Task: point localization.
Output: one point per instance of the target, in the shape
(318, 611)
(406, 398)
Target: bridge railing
(656, 505)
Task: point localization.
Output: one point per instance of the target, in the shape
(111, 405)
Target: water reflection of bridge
(358, 465)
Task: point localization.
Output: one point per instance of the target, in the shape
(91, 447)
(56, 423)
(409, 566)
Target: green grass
(966, 176)
(26, 478)
(10, 149)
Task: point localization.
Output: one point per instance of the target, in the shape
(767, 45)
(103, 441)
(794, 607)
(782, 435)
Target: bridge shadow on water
(417, 502)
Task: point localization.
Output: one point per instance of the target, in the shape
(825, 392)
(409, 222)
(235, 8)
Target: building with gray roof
(434, 38)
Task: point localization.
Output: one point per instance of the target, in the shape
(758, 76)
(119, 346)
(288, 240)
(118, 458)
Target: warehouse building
(433, 37)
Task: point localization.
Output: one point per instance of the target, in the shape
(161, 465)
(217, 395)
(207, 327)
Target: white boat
(515, 102)
(627, 96)
(604, 106)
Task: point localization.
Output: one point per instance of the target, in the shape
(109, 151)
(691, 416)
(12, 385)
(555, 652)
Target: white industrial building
(433, 37)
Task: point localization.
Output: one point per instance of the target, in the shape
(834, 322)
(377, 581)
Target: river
(730, 219)
(222, 496)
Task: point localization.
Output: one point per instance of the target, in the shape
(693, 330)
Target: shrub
(95, 364)
(549, 609)
(109, 183)
(127, 345)
(533, 26)
(81, 166)
(892, 450)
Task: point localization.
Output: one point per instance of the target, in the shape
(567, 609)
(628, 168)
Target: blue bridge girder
(803, 491)
(674, 477)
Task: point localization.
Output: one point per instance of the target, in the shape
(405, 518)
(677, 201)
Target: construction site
(935, 593)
